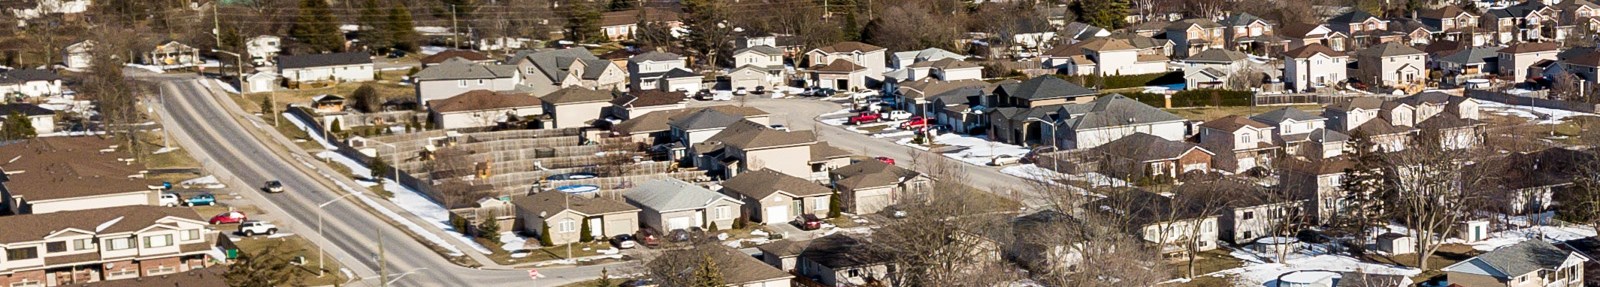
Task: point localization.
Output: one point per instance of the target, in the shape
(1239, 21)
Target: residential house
(946, 70)
(783, 254)
(772, 197)
(327, 104)
(452, 54)
(504, 44)
(917, 96)
(841, 75)
(1037, 246)
(1015, 109)
(1515, 61)
(172, 55)
(325, 68)
(78, 55)
(1575, 14)
(104, 244)
(746, 145)
(574, 107)
(1213, 68)
(53, 174)
(1161, 221)
(1529, 263)
(671, 204)
(545, 71)
(1375, 119)
(1411, 31)
(1079, 31)
(737, 268)
(35, 9)
(1301, 35)
(263, 49)
(653, 127)
(1245, 32)
(868, 57)
(43, 120)
(764, 65)
(624, 106)
(904, 59)
(1303, 134)
(661, 71)
(1145, 156)
(751, 37)
(697, 126)
(869, 186)
(842, 260)
(1451, 23)
(751, 78)
(1534, 181)
(1585, 66)
(1452, 119)
(1150, 28)
(1191, 36)
(483, 108)
(1471, 62)
(1114, 56)
(1318, 183)
(1147, 46)
(1364, 29)
(621, 25)
(1253, 212)
(17, 84)
(567, 215)
(1392, 64)
(459, 76)
(1240, 143)
(1109, 118)
(1530, 21)
(1313, 66)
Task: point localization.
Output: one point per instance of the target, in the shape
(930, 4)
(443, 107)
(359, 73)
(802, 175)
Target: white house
(335, 67)
(904, 59)
(1392, 64)
(77, 55)
(482, 108)
(871, 59)
(1313, 66)
(1104, 56)
(47, 7)
(456, 76)
(43, 120)
(263, 49)
(29, 83)
(662, 71)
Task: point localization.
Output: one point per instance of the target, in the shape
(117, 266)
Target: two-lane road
(351, 233)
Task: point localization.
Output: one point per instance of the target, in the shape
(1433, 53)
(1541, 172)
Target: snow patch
(978, 149)
(313, 133)
(411, 201)
(164, 150)
(1543, 115)
(510, 241)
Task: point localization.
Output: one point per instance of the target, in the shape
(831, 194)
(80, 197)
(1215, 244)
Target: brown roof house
(1241, 143)
(738, 268)
(624, 106)
(671, 204)
(1531, 263)
(869, 186)
(745, 146)
(574, 107)
(1517, 59)
(841, 74)
(45, 175)
(568, 214)
(783, 254)
(842, 260)
(1317, 182)
(466, 55)
(113, 243)
(655, 127)
(1145, 156)
(775, 198)
(483, 108)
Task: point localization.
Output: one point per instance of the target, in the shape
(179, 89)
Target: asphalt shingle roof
(665, 195)
(748, 135)
(552, 202)
(1218, 56)
(1046, 87)
(705, 119)
(1114, 110)
(1390, 49)
(461, 70)
(1523, 258)
(483, 100)
(839, 251)
(25, 109)
(575, 94)
(1233, 123)
(34, 227)
(554, 63)
(765, 182)
(323, 60)
(1278, 116)
(1473, 55)
(18, 76)
(1146, 147)
(870, 173)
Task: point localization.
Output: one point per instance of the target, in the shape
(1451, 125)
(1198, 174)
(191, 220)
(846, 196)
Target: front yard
(294, 245)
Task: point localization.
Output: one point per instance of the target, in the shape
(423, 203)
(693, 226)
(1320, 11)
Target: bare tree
(453, 171)
(1246, 78)
(1090, 248)
(1430, 192)
(1581, 202)
(947, 227)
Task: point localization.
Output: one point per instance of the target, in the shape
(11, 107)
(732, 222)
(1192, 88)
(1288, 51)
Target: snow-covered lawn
(409, 200)
(978, 150)
(510, 241)
(1543, 115)
(1034, 172)
(317, 135)
(1256, 273)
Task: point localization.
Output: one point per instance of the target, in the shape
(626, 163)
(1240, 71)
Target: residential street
(197, 119)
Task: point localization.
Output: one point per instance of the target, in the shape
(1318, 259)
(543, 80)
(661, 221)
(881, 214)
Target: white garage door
(619, 226)
(678, 223)
(776, 214)
(748, 84)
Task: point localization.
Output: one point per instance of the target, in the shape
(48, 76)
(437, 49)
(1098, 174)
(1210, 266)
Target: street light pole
(395, 154)
(321, 268)
(1055, 144)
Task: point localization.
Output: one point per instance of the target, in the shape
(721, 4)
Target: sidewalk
(278, 144)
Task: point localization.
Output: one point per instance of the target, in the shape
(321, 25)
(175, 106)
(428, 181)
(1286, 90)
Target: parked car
(623, 241)
(808, 222)
(779, 127)
(253, 227)
(1004, 159)
(916, 122)
(897, 115)
(885, 159)
(228, 217)
(648, 237)
(703, 95)
(760, 90)
(274, 186)
(202, 199)
(740, 91)
(682, 235)
(864, 117)
(169, 199)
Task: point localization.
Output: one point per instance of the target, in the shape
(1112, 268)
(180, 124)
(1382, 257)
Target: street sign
(534, 274)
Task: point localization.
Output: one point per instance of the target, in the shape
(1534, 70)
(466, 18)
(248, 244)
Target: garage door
(620, 226)
(776, 214)
(678, 223)
(749, 84)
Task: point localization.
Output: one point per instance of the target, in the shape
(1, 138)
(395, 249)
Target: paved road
(224, 145)
(801, 114)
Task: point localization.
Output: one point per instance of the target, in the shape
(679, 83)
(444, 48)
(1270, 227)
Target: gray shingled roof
(1390, 49)
(841, 251)
(1275, 117)
(705, 119)
(762, 49)
(458, 70)
(18, 76)
(576, 94)
(665, 195)
(870, 173)
(1218, 56)
(1114, 110)
(656, 57)
(1046, 87)
(1473, 55)
(323, 60)
(1146, 147)
(25, 109)
(553, 63)
(1523, 258)
(1239, 19)
(552, 202)
(748, 135)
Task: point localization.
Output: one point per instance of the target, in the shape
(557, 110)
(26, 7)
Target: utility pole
(455, 35)
(216, 25)
(383, 265)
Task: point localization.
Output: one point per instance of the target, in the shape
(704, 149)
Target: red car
(808, 222)
(916, 122)
(229, 217)
(886, 159)
(865, 117)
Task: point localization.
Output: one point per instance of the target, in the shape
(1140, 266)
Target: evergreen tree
(852, 29)
(619, 5)
(710, 34)
(1109, 14)
(402, 33)
(335, 128)
(707, 274)
(490, 228)
(316, 27)
(266, 267)
(604, 280)
(835, 205)
(379, 169)
(583, 23)
(713, 227)
(373, 25)
(17, 126)
(584, 232)
(544, 235)
(1362, 185)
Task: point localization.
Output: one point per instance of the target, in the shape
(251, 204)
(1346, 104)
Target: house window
(161, 270)
(854, 273)
(721, 212)
(53, 247)
(157, 241)
(24, 253)
(566, 225)
(26, 283)
(122, 272)
(83, 244)
(119, 243)
(1244, 138)
(480, 82)
(191, 235)
(461, 83)
(820, 203)
(1248, 215)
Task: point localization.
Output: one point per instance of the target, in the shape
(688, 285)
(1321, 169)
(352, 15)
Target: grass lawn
(1209, 113)
(1448, 254)
(1208, 262)
(295, 245)
(542, 254)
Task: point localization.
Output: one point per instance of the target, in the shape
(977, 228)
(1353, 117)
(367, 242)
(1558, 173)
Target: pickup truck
(253, 227)
(864, 117)
(202, 199)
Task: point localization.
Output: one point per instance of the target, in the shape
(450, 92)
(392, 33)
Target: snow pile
(430, 50)
(227, 87)
(209, 181)
(510, 241)
(1552, 234)
(978, 150)
(146, 67)
(317, 135)
(164, 150)
(356, 168)
(1255, 273)
(1543, 115)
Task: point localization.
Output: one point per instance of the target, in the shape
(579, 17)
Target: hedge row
(1198, 98)
(1128, 81)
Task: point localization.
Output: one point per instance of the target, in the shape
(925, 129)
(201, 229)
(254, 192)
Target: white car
(170, 199)
(253, 227)
(897, 115)
(1004, 159)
